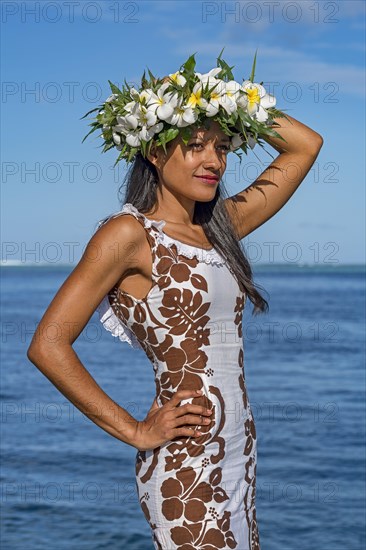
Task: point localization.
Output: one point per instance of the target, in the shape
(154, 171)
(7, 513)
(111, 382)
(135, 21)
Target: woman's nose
(212, 159)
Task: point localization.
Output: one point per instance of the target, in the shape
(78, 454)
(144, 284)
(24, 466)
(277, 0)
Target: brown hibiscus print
(249, 504)
(186, 496)
(244, 390)
(178, 267)
(196, 446)
(145, 508)
(250, 433)
(240, 301)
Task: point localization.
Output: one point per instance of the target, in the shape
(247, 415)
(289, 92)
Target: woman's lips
(209, 180)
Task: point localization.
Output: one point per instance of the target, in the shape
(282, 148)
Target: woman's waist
(229, 402)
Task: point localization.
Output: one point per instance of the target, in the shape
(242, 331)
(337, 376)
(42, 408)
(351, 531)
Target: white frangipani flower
(116, 138)
(231, 94)
(196, 98)
(256, 100)
(133, 139)
(216, 95)
(111, 98)
(126, 124)
(163, 103)
(129, 106)
(221, 93)
(146, 133)
(178, 78)
(142, 97)
(146, 116)
(224, 95)
(211, 74)
(140, 124)
(182, 116)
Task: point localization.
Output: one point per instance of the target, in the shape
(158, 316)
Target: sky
(57, 58)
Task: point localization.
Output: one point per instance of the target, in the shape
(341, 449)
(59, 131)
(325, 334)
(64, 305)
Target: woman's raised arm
(257, 203)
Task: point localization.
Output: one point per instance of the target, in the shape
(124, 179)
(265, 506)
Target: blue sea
(67, 484)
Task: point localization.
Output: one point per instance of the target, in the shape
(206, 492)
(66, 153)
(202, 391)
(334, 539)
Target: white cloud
(279, 64)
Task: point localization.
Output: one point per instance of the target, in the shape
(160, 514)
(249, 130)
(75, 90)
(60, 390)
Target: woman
(167, 275)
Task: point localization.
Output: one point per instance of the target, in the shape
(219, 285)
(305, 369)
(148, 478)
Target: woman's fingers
(199, 410)
(188, 413)
(180, 395)
(187, 432)
(194, 419)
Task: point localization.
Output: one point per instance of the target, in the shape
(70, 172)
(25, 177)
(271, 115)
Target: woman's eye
(223, 147)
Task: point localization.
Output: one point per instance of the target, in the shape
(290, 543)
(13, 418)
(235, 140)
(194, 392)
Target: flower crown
(132, 120)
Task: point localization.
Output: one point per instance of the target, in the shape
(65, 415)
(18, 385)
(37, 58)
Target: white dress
(196, 493)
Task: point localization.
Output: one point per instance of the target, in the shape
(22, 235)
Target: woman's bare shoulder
(122, 235)
(115, 248)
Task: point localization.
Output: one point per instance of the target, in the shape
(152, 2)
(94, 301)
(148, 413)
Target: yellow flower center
(195, 99)
(253, 96)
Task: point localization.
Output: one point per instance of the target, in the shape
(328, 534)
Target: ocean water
(65, 483)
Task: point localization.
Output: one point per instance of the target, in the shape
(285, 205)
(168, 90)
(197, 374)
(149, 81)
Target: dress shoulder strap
(129, 208)
(173, 246)
(153, 228)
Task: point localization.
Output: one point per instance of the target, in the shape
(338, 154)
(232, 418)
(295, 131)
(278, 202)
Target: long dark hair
(141, 183)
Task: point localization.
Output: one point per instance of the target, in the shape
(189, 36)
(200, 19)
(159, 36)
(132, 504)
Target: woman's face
(182, 169)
